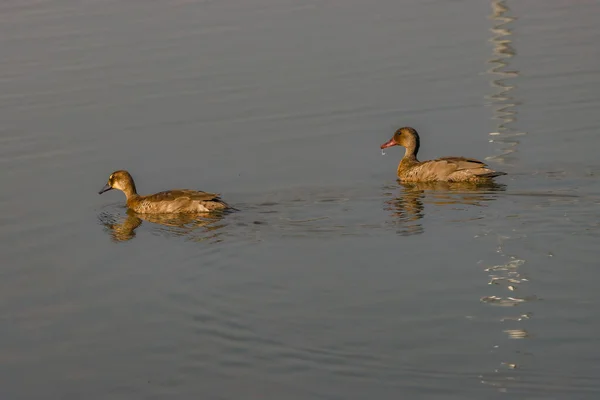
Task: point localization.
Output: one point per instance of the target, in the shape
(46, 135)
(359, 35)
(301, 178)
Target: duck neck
(130, 192)
(410, 155)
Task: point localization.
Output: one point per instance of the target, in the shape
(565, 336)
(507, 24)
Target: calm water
(334, 281)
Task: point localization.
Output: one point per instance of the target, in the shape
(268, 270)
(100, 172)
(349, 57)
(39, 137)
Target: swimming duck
(169, 202)
(447, 169)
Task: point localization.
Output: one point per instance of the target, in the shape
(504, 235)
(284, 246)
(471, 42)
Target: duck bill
(106, 188)
(389, 143)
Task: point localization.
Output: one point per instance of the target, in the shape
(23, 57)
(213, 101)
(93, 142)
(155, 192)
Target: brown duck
(169, 202)
(447, 169)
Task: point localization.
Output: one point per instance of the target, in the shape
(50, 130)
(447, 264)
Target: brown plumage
(447, 169)
(169, 202)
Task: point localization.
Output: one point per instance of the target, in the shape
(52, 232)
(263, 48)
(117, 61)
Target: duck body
(177, 201)
(445, 169)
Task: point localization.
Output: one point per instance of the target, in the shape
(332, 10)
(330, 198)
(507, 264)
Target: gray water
(333, 281)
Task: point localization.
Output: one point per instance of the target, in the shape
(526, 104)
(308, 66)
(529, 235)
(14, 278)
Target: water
(334, 281)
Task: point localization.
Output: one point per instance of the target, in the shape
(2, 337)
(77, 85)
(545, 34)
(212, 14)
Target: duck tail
(229, 208)
(493, 174)
(225, 207)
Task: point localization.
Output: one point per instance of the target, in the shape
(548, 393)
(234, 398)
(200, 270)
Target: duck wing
(462, 163)
(179, 201)
(184, 194)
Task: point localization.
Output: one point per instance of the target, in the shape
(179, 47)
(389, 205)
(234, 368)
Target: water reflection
(510, 279)
(407, 209)
(507, 279)
(196, 227)
(502, 100)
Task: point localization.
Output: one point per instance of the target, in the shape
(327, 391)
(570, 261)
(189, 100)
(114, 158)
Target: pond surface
(333, 281)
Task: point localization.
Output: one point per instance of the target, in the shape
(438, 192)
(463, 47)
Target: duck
(445, 169)
(179, 201)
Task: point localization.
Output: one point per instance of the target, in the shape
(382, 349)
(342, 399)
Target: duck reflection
(408, 207)
(406, 210)
(197, 227)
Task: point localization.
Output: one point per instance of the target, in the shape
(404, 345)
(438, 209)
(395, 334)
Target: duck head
(120, 180)
(406, 137)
